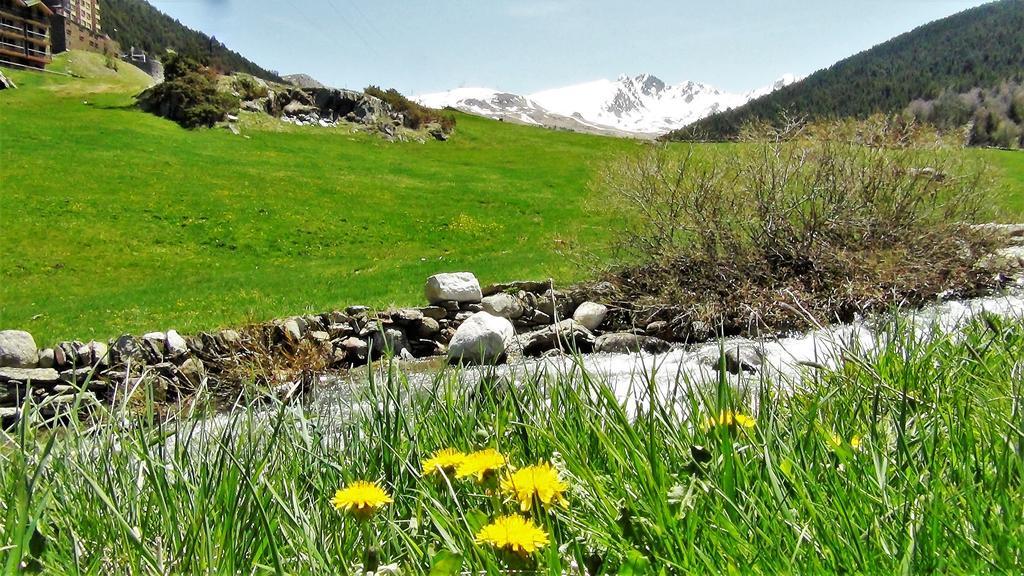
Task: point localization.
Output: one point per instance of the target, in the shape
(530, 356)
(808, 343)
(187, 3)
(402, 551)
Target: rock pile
(463, 321)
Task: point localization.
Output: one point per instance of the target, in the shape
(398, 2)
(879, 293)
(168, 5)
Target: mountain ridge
(641, 105)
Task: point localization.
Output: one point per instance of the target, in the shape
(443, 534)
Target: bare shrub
(847, 215)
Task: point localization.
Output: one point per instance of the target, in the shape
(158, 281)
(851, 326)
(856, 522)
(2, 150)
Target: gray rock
(471, 307)
(355, 348)
(387, 340)
(192, 371)
(319, 336)
(627, 343)
(230, 340)
(658, 328)
(567, 335)
(503, 305)
(555, 304)
(435, 312)
(481, 339)
(6, 83)
(357, 310)
(176, 347)
(406, 316)
(46, 359)
(93, 353)
(340, 330)
(292, 330)
(426, 328)
(454, 286)
(37, 376)
(590, 314)
(338, 317)
(540, 318)
(739, 356)
(126, 348)
(18, 349)
(534, 286)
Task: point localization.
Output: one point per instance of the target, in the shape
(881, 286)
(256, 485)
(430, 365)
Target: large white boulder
(18, 349)
(590, 314)
(504, 305)
(455, 286)
(481, 339)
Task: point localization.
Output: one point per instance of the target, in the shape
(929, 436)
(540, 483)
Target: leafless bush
(832, 208)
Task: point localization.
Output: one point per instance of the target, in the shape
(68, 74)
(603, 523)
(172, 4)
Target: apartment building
(77, 25)
(24, 33)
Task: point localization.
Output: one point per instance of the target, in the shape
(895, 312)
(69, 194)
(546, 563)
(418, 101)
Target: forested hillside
(137, 23)
(980, 47)
(995, 115)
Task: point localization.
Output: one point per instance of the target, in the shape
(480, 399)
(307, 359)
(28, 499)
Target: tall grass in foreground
(906, 462)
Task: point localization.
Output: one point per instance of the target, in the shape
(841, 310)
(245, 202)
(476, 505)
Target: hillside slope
(137, 23)
(977, 47)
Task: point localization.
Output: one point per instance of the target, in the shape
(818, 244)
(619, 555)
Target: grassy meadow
(117, 221)
(906, 462)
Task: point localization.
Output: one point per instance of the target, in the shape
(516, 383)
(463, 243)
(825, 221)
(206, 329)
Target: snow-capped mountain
(631, 105)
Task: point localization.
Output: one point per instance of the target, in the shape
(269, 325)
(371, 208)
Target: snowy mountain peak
(638, 105)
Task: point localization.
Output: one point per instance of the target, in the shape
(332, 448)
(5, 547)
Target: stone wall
(462, 321)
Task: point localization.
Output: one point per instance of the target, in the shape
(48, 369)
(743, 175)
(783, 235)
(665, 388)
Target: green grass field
(117, 221)
(905, 463)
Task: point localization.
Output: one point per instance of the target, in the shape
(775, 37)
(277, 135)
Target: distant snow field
(642, 105)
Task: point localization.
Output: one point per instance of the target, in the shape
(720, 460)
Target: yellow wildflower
(513, 534)
(480, 463)
(361, 499)
(541, 481)
(731, 419)
(836, 442)
(443, 461)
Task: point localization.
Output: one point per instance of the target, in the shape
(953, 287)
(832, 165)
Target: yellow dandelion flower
(836, 442)
(361, 499)
(481, 463)
(540, 481)
(513, 534)
(731, 419)
(443, 461)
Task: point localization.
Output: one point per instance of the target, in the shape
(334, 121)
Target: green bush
(188, 95)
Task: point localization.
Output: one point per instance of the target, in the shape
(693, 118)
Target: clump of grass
(908, 461)
(822, 221)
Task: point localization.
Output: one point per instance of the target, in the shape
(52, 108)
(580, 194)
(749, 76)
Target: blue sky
(421, 46)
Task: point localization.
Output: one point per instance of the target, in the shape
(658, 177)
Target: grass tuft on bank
(907, 461)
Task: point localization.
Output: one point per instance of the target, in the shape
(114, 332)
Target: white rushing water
(785, 362)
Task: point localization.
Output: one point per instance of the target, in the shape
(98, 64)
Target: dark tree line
(979, 47)
(992, 116)
(137, 23)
